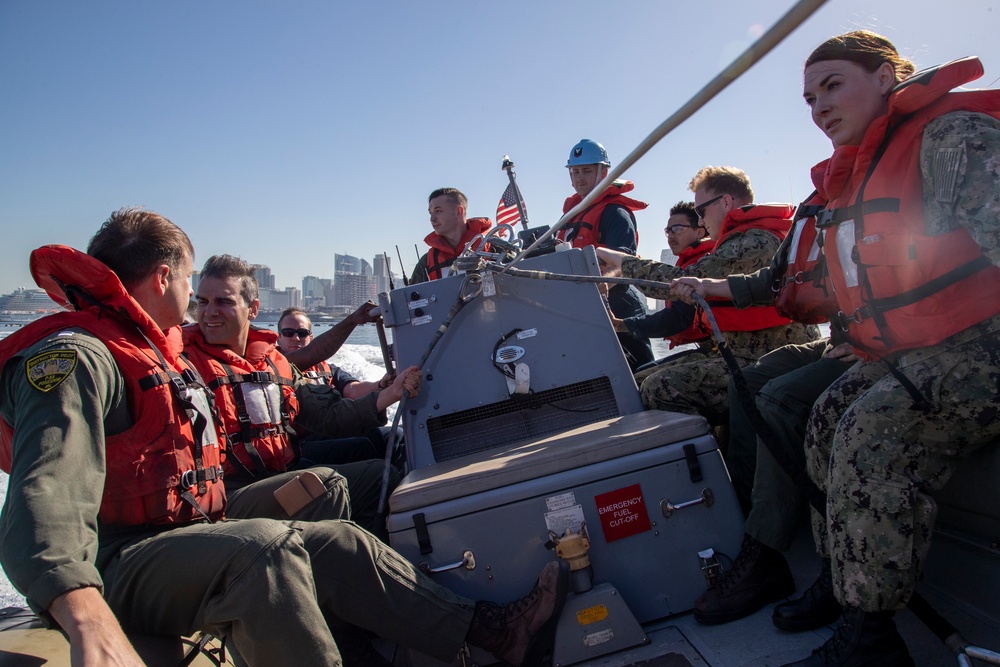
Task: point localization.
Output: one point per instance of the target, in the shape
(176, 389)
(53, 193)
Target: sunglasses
(673, 229)
(699, 210)
(291, 333)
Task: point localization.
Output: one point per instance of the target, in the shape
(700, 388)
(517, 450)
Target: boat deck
(680, 641)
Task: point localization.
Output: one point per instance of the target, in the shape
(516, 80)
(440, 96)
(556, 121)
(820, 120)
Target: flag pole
(508, 166)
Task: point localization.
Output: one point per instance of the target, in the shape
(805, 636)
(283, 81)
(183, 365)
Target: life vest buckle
(188, 479)
(260, 377)
(844, 321)
(826, 218)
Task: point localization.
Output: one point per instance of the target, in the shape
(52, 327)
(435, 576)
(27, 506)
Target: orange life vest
(898, 287)
(687, 257)
(321, 373)
(773, 218)
(801, 290)
(442, 255)
(584, 229)
(255, 397)
(165, 468)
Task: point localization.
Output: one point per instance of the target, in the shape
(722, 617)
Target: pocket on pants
(876, 524)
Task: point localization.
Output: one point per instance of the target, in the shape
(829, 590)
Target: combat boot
(817, 607)
(862, 639)
(759, 576)
(520, 632)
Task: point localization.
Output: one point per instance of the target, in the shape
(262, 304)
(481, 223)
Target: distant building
(351, 289)
(265, 279)
(271, 299)
(380, 271)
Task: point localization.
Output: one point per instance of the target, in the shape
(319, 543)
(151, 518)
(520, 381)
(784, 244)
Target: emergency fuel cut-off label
(622, 513)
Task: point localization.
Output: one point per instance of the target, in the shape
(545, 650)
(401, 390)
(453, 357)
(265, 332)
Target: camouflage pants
(694, 385)
(877, 458)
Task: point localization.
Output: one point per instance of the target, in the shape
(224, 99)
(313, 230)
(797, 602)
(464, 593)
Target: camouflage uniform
(699, 386)
(875, 454)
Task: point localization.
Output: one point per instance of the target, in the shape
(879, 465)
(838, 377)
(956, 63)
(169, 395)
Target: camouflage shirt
(741, 252)
(960, 165)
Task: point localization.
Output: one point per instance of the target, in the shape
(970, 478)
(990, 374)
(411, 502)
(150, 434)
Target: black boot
(817, 606)
(521, 631)
(862, 639)
(759, 576)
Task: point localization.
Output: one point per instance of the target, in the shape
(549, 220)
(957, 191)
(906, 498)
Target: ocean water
(361, 356)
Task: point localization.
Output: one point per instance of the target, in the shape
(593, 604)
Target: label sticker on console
(622, 512)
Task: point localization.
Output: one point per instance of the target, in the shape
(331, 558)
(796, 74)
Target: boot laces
(840, 641)
(745, 560)
(821, 588)
(495, 616)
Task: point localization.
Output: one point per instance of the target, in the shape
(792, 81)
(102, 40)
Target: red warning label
(622, 512)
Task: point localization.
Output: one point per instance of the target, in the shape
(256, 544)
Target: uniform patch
(47, 370)
(949, 163)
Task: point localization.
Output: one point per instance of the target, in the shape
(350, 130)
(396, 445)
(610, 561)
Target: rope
(755, 52)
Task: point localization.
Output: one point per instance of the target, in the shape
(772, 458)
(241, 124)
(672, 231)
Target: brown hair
(227, 266)
(864, 47)
(292, 311)
(133, 242)
(724, 181)
(453, 194)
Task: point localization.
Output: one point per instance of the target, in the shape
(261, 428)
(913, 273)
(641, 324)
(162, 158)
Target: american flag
(507, 213)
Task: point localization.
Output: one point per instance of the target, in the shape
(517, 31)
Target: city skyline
(281, 132)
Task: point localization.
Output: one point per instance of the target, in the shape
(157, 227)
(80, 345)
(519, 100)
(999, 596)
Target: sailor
(913, 217)
(783, 385)
(688, 241)
(254, 387)
(113, 517)
(360, 425)
(452, 232)
(609, 222)
(747, 235)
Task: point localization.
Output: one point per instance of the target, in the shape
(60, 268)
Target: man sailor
(452, 231)
(607, 223)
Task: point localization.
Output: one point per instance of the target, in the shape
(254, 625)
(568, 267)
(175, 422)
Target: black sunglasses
(291, 333)
(699, 210)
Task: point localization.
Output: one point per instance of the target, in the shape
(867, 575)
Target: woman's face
(845, 98)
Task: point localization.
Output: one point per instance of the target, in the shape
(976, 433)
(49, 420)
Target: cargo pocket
(877, 525)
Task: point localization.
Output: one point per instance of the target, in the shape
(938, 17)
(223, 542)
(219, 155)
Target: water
(360, 356)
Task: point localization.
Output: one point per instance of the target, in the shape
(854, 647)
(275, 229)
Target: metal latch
(468, 562)
(668, 508)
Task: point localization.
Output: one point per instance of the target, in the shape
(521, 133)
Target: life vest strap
(829, 217)
(909, 297)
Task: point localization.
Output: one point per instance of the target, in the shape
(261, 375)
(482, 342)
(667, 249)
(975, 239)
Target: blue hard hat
(588, 152)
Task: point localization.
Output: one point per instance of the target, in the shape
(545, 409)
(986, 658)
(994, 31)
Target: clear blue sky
(286, 132)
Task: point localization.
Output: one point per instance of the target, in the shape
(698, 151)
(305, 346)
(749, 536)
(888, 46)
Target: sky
(287, 132)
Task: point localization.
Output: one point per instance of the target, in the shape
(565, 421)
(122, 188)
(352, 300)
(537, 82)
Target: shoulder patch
(47, 370)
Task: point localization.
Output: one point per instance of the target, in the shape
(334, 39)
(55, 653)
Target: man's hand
(95, 637)
(362, 315)
(844, 352)
(611, 260)
(684, 289)
(408, 381)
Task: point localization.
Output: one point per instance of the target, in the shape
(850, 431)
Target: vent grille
(521, 418)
